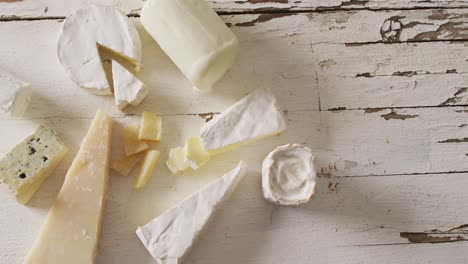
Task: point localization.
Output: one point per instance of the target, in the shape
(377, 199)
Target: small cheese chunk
(146, 169)
(125, 165)
(254, 117)
(195, 155)
(151, 127)
(170, 236)
(71, 231)
(15, 95)
(176, 162)
(194, 37)
(29, 164)
(127, 88)
(130, 140)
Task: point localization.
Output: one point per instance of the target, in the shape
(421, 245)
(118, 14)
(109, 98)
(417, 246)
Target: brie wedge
(88, 31)
(254, 117)
(169, 237)
(289, 175)
(194, 37)
(15, 95)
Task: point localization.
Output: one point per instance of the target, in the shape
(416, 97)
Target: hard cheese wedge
(125, 165)
(195, 155)
(193, 36)
(15, 95)
(170, 236)
(71, 231)
(254, 117)
(146, 170)
(151, 127)
(29, 164)
(176, 162)
(131, 142)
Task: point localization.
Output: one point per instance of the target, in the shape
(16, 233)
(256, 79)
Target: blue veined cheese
(169, 237)
(28, 165)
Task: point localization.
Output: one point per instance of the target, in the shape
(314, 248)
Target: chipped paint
(454, 140)
(207, 116)
(394, 115)
(263, 18)
(436, 236)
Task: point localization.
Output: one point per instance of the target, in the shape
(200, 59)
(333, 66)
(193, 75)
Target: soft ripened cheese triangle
(170, 236)
(15, 95)
(71, 231)
(105, 27)
(193, 36)
(253, 117)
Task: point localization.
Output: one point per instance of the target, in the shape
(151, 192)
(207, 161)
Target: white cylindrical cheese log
(194, 37)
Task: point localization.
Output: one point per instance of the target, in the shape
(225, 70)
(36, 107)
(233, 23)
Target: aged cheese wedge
(146, 170)
(125, 165)
(176, 162)
(91, 29)
(71, 231)
(15, 95)
(130, 140)
(254, 117)
(195, 155)
(169, 237)
(289, 175)
(193, 36)
(28, 165)
(151, 127)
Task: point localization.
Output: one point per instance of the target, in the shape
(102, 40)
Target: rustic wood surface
(377, 88)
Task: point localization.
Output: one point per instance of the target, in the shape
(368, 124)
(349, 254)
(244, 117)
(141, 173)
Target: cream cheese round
(289, 175)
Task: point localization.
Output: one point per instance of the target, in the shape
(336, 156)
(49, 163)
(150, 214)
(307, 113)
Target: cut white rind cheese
(15, 95)
(176, 161)
(170, 236)
(71, 231)
(289, 175)
(255, 116)
(193, 36)
(127, 88)
(31, 162)
(105, 27)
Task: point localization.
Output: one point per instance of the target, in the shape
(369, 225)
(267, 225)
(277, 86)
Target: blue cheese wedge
(169, 237)
(28, 165)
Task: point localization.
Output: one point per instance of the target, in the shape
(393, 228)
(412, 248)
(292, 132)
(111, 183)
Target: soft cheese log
(15, 95)
(170, 236)
(254, 117)
(71, 231)
(193, 36)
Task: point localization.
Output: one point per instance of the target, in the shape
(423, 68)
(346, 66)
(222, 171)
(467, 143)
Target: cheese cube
(146, 169)
(29, 164)
(194, 37)
(151, 127)
(176, 162)
(125, 165)
(195, 154)
(130, 140)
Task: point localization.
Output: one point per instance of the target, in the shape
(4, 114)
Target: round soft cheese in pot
(289, 175)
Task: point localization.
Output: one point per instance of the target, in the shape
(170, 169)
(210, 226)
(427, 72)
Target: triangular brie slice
(170, 236)
(94, 29)
(253, 117)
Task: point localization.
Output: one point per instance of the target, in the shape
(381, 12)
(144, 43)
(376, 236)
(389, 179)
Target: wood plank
(19, 9)
(351, 219)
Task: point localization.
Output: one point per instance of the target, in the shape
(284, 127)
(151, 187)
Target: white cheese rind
(194, 37)
(289, 175)
(31, 162)
(170, 236)
(255, 116)
(127, 88)
(72, 228)
(80, 35)
(15, 95)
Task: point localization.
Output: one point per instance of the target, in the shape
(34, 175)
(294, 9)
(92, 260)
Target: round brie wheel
(289, 175)
(89, 28)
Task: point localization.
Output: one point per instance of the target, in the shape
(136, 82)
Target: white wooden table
(377, 88)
